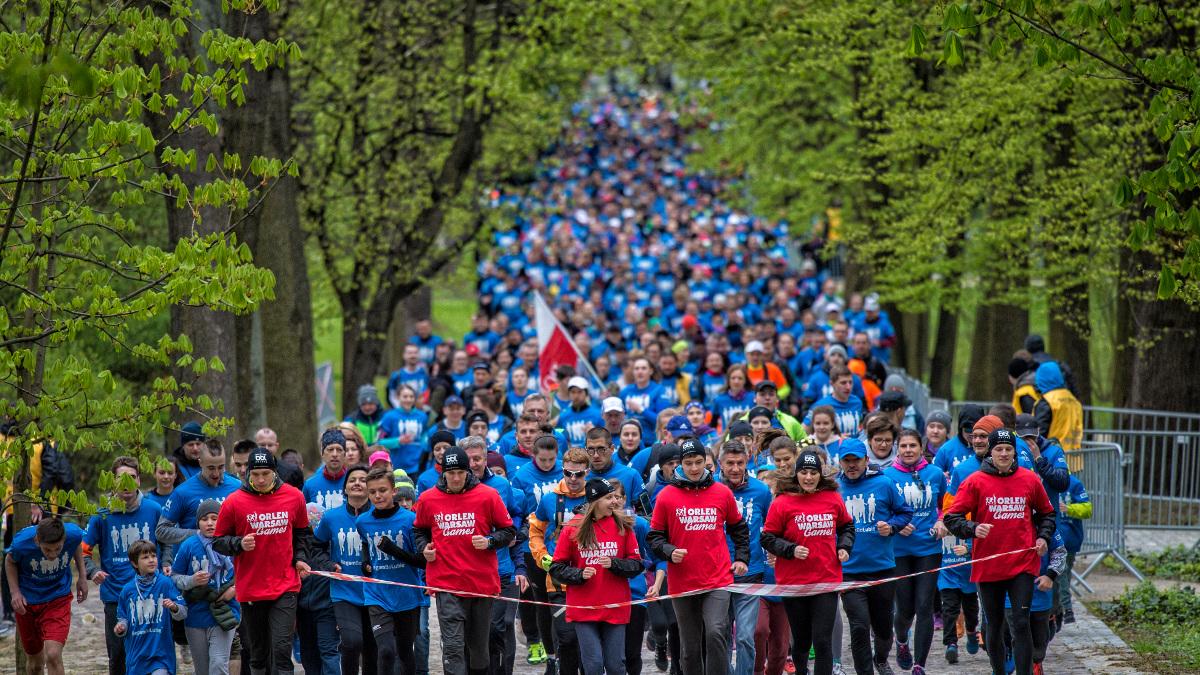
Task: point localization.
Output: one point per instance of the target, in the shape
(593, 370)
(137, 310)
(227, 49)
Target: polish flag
(555, 347)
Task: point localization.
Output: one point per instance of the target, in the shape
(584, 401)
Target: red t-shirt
(266, 572)
(695, 520)
(454, 519)
(1008, 504)
(606, 586)
(809, 520)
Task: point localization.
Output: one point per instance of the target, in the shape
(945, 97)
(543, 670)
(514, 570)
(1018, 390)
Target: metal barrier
(1101, 469)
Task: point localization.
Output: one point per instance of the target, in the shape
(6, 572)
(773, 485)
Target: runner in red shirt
(596, 557)
(459, 527)
(1012, 512)
(264, 526)
(811, 534)
(691, 518)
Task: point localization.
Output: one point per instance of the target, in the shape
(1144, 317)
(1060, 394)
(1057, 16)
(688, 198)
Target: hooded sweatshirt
(278, 519)
(753, 499)
(448, 521)
(922, 487)
(1015, 504)
(533, 482)
(184, 465)
(871, 498)
(696, 516)
(958, 448)
(1065, 412)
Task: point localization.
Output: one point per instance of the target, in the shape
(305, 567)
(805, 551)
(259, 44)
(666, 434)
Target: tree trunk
(1069, 337)
(1122, 368)
(417, 306)
(914, 349)
(999, 331)
(363, 345)
(941, 368)
(283, 337)
(1165, 360)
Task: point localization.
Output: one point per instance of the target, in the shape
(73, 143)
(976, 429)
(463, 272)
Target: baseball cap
(871, 304)
(679, 425)
(893, 400)
(481, 366)
(1027, 425)
(379, 456)
(852, 447)
(453, 399)
(809, 460)
(598, 488)
(612, 404)
(765, 385)
(577, 382)
(754, 346)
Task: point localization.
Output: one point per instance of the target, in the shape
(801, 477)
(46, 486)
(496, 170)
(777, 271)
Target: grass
(1159, 625)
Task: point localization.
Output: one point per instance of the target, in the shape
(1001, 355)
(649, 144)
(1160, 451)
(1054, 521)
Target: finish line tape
(782, 590)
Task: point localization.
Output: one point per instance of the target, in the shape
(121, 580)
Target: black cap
(441, 436)
(597, 488)
(740, 428)
(1001, 437)
(476, 416)
(690, 445)
(261, 458)
(1027, 425)
(764, 385)
(893, 400)
(455, 458)
(667, 452)
(192, 431)
(760, 411)
(809, 460)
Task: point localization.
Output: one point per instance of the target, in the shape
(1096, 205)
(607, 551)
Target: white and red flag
(556, 348)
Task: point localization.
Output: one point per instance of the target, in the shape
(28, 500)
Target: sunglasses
(574, 474)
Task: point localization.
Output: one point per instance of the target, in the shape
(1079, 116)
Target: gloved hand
(546, 561)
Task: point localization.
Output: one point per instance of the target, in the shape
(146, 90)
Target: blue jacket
(1072, 528)
(869, 499)
(922, 490)
(629, 477)
(753, 498)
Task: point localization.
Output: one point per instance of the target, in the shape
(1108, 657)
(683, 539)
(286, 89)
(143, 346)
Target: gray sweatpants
(210, 649)
(703, 633)
(465, 624)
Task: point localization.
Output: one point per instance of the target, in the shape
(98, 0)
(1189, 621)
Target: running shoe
(1069, 616)
(537, 654)
(904, 657)
(660, 657)
(812, 654)
(884, 668)
(952, 654)
(789, 666)
(918, 669)
(1010, 664)
(973, 642)
(1037, 669)
(838, 669)
(551, 666)
(937, 621)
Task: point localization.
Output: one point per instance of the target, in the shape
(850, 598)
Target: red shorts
(47, 621)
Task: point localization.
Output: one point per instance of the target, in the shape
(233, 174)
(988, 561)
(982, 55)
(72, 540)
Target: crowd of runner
(740, 427)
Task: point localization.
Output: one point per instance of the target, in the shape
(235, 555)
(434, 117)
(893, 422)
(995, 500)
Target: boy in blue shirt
(205, 577)
(958, 594)
(111, 535)
(753, 498)
(324, 488)
(38, 570)
(144, 610)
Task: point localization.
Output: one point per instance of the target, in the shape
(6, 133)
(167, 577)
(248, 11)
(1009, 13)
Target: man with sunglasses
(554, 510)
(600, 451)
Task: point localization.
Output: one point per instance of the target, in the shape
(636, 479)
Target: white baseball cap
(577, 382)
(612, 404)
(754, 346)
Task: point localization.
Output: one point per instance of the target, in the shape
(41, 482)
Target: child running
(144, 612)
(206, 579)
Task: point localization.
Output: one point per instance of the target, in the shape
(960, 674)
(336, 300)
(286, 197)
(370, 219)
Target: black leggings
(914, 599)
(537, 622)
(953, 600)
(357, 643)
(1039, 629)
(635, 631)
(869, 613)
(270, 625)
(811, 619)
(1019, 590)
(395, 633)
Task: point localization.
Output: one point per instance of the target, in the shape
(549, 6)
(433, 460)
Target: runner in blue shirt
(178, 519)
(581, 415)
(644, 397)
(405, 426)
(38, 572)
(145, 608)
(205, 578)
(425, 341)
(412, 374)
(324, 487)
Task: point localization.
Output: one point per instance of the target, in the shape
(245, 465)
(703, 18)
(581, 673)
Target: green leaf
(952, 52)
(1166, 283)
(1124, 192)
(916, 40)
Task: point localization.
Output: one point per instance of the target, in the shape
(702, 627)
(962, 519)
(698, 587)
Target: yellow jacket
(1066, 425)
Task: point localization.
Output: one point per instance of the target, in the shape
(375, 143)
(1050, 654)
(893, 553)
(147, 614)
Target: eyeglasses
(567, 473)
(597, 449)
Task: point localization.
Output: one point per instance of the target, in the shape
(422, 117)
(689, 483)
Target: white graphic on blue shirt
(862, 508)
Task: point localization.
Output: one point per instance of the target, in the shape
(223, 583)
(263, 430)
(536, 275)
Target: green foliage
(1160, 624)
(1175, 562)
(1145, 604)
(84, 277)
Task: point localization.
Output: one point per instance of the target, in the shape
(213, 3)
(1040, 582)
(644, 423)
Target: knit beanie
(988, 423)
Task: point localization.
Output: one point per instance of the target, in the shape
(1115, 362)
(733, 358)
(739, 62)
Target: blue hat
(453, 399)
(852, 447)
(192, 431)
(679, 425)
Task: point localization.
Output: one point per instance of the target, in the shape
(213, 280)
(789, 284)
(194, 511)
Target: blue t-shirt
(485, 341)
(869, 499)
(922, 491)
(417, 379)
(399, 422)
(181, 506)
(319, 489)
(650, 398)
(43, 579)
(956, 577)
(753, 498)
(112, 534)
(575, 423)
(148, 643)
(847, 416)
(156, 499)
(628, 477)
(398, 527)
(192, 558)
(1072, 528)
(428, 478)
(951, 454)
(533, 482)
(728, 408)
(339, 529)
(819, 386)
(427, 347)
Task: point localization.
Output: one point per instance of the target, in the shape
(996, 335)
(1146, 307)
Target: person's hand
(169, 604)
(248, 542)
(166, 570)
(884, 529)
(801, 553)
(429, 553)
(200, 578)
(960, 549)
(303, 569)
(229, 594)
(738, 568)
(678, 555)
(337, 568)
(18, 603)
(654, 590)
(406, 438)
(589, 572)
(35, 514)
(99, 577)
(907, 530)
(1041, 546)
(480, 542)
(366, 569)
(1044, 583)
(982, 530)
(771, 560)
(1034, 451)
(634, 406)
(120, 628)
(940, 531)
(605, 562)
(843, 555)
(522, 583)
(81, 589)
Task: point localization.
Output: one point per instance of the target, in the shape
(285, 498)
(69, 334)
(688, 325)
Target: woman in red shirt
(596, 557)
(1011, 513)
(811, 534)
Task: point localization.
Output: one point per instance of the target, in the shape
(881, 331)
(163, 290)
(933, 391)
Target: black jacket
(1055, 477)
(1043, 523)
(738, 532)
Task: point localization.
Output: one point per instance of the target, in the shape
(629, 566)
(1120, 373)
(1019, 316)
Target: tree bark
(1069, 337)
(999, 331)
(1165, 360)
(415, 307)
(941, 368)
(363, 343)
